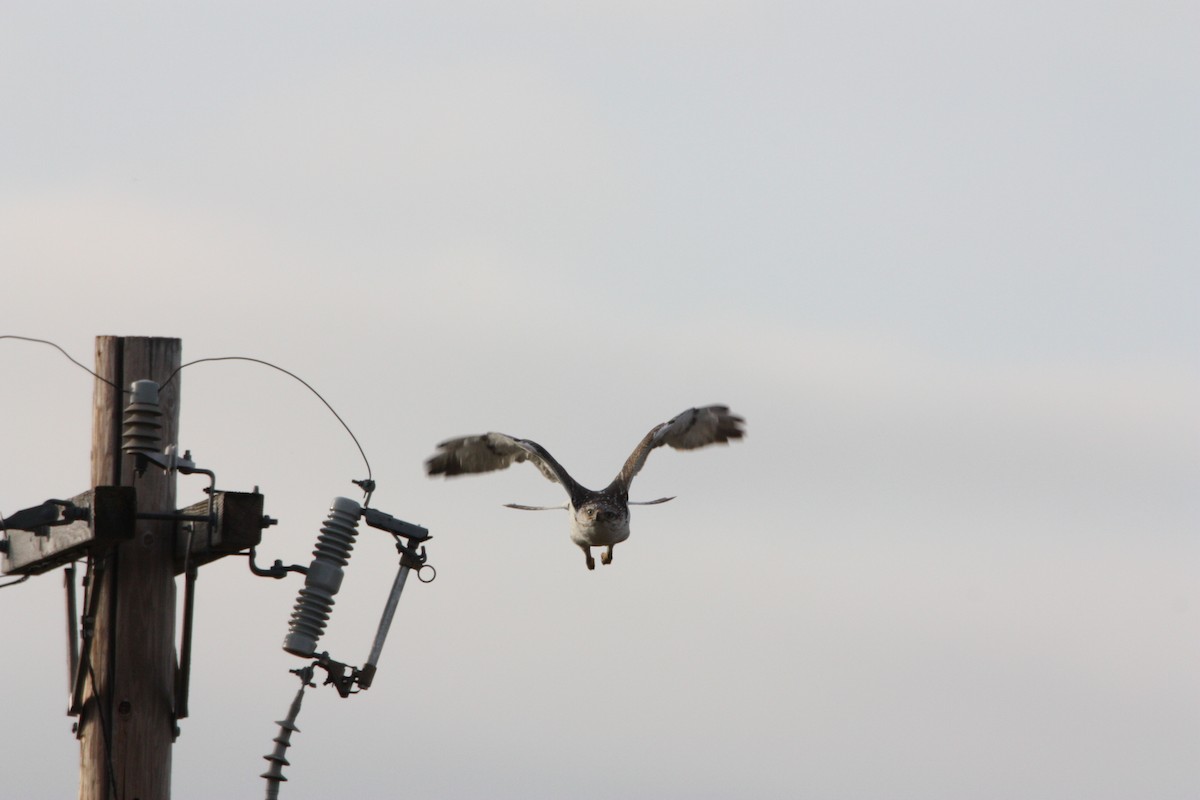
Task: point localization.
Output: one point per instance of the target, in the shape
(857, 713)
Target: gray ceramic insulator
(142, 420)
(315, 600)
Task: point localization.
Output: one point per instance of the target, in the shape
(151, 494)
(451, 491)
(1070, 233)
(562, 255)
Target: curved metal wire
(292, 375)
(64, 352)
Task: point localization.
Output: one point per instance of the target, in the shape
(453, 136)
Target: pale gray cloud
(942, 259)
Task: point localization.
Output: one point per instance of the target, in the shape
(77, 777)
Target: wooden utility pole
(126, 687)
(127, 721)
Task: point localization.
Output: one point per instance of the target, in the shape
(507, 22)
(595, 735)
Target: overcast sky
(942, 257)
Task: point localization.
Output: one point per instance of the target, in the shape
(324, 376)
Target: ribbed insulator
(142, 420)
(274, 774)
(314, 603)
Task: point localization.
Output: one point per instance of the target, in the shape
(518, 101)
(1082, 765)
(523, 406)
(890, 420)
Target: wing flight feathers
(696, 427)
(492, 451)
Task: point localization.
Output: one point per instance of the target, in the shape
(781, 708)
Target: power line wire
(292, 375)
(171, 377)
(64, 352)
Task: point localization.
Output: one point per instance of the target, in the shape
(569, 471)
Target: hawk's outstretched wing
(493, 451)
(696, 427)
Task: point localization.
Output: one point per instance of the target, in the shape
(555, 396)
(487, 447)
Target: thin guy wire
(112, 777)
(93, 578)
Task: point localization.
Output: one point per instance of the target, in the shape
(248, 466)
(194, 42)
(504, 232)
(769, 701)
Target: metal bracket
(60, 531)
(276, 570)
(49, 514)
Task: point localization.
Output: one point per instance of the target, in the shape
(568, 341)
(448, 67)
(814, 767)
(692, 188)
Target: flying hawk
(598, 519)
